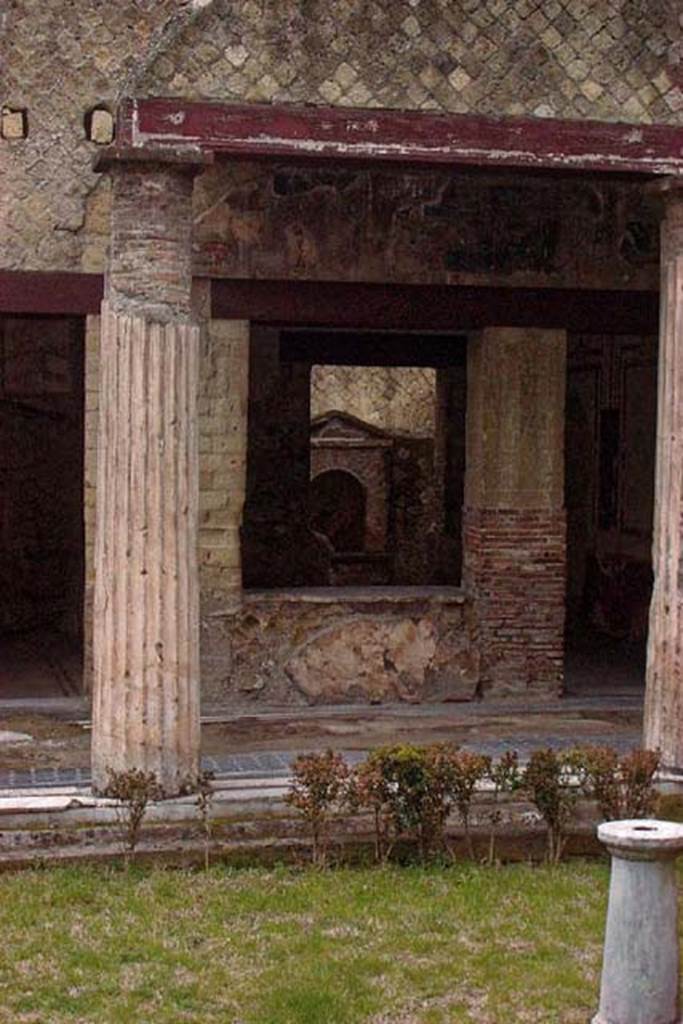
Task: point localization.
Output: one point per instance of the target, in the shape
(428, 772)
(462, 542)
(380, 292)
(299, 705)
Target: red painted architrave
(258, 131)
(45, 294)
(369, 306)
(434, 307)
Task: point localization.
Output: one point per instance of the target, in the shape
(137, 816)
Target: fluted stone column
(146, 605)
(664, 693)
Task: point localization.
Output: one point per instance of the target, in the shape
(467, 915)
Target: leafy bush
(411, 791)
(506, 777)
(134, 790)
(462, 772)
(547, 781)
(318, 789)
(638, 769)
(400, 793)
(623, 787)
(203, 787)
(369, 788)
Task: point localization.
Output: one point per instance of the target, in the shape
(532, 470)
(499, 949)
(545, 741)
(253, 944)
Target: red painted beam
(44, 294)
(434, 307)
(362, 306)
(258, 131)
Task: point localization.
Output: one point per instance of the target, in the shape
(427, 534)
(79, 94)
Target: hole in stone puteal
(644, 828)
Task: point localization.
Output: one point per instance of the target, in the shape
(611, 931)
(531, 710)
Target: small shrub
(134, 790)
(368, 788)
(638, 769)
(411, 810)
(464, 771)
(318, 789)
(506, 777)
(411, 791)
(204, 799)
(547, 780)
(623, 787)
(597, 769)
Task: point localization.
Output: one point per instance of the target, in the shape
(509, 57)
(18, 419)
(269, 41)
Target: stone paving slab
(78, 709)
(276, 764)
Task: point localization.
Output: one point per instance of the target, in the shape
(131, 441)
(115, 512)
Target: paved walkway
(276, 764)
(77, 708)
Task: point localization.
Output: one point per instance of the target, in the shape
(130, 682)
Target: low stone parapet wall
(250, 823)
(340, 645)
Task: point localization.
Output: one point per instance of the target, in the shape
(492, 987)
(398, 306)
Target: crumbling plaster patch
(60, 60)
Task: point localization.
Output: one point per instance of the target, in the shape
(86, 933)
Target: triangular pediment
(338, 424)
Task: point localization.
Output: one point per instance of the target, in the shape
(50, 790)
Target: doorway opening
(355, 465)
(610, 454)
(41, 506)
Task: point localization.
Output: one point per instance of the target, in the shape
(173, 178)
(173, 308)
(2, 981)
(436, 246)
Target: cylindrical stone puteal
(640, 973)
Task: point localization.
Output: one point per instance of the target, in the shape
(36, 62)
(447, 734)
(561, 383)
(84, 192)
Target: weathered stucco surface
(422, 227)
(289, 647)
(614, 60)
(59, 61)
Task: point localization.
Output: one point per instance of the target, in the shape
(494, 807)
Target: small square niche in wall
(13, 123)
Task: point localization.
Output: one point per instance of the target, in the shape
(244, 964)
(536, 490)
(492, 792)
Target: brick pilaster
(515, 570)
(514, 529)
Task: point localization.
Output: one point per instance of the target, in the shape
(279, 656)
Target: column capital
(150, 256)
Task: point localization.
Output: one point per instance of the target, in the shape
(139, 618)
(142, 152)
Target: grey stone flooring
(275, 764)
(77, 708)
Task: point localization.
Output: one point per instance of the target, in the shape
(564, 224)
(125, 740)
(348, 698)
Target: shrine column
(664, 692)
(146, 616)
(514, 546)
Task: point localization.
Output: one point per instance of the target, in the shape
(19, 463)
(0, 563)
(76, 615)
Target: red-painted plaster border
(434, 307)
(364, 306)
(258, 131)
(45, 294)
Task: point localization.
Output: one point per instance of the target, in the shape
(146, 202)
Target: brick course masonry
(514, 572)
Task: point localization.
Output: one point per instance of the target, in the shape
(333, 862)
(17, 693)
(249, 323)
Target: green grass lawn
(392, 946)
